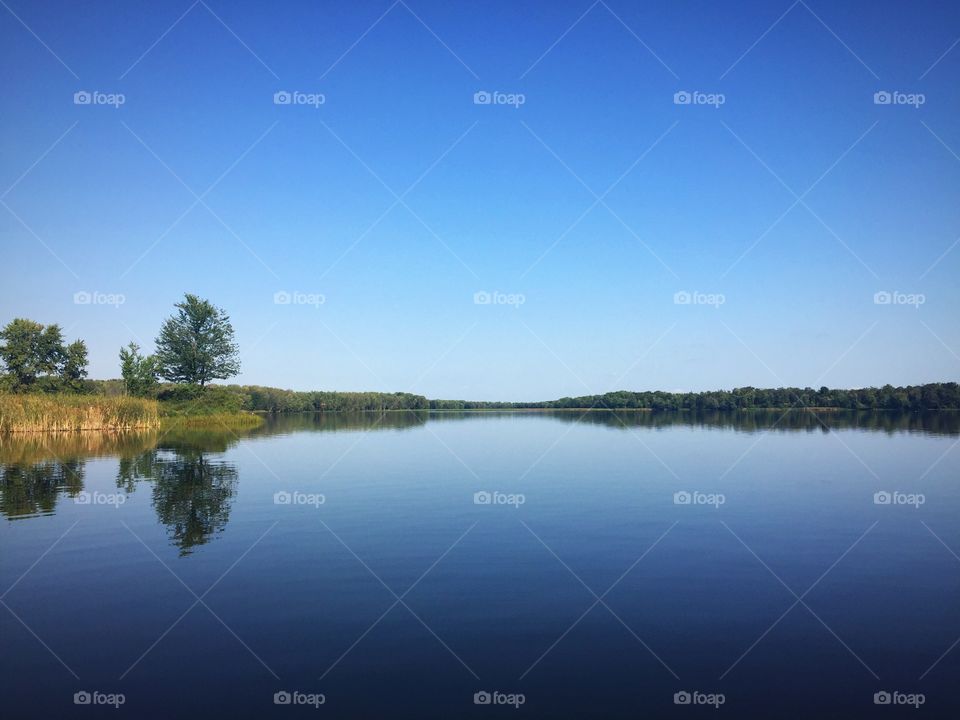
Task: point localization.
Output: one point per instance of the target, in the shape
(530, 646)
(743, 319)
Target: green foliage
(35, 358)
(934, 396)
(109, 388)
(213, 421)
(139, 372)
(915, 397)
(180, 393)
(74, 368)
(268, 399)
(235, 398)
(196, 344)
(183, 400)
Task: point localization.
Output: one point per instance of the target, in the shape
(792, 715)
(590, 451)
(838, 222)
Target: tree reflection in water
(192, 492)
(32, 489)
(37, 469)
(193, 487)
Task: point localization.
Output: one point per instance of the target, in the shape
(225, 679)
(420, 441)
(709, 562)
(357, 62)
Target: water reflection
(192, 490)
(890, 422)
(37, 469)
(193, 487)
(344, 422)
(30, 490)
(192, 493)
(930, 422)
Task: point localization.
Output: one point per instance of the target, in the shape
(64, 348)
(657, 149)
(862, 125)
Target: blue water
(581, 590)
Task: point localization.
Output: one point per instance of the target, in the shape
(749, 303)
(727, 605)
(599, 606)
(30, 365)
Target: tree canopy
(196, 344)
(139, 372)
(933, 396)
(35, 358)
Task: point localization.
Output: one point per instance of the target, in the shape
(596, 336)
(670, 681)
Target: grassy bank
(67, 413)
(213, 421)
(211, 408)
(26, 413)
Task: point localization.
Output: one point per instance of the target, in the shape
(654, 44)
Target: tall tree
(139, 372)
(195, 345)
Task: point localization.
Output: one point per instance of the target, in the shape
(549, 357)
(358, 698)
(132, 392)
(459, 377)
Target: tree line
(932, 396)
(194, 347)
(269, 399)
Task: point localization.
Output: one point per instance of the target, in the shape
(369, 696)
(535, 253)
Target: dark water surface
(397, 565)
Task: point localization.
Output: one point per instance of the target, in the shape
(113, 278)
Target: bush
(178, 400)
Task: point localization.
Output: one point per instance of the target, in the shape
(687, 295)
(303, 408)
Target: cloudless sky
(318, 199)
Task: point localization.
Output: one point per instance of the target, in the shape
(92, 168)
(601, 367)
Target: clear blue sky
(100, 197)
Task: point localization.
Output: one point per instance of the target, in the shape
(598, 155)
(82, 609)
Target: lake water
(448, 565)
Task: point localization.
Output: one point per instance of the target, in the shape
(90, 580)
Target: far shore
(104, 407)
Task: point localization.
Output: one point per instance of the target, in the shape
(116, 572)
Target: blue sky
(781, 211)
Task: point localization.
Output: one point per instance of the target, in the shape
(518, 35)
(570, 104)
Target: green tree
(30, 352)
(74, 366)
(139, 372)
(195, 345)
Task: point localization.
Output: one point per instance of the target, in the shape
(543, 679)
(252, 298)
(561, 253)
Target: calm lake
(448, 565)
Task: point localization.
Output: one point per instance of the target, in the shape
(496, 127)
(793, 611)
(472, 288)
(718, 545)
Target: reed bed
(69, 413)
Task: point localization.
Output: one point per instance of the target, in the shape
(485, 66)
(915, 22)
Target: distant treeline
(934, 396)
(276, 400)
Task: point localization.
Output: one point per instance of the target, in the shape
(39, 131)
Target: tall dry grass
(65, 413)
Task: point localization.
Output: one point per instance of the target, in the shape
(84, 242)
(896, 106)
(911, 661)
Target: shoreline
(591, 409)
(56, 414)
(29, 414)
(230, 422)
(220, 421)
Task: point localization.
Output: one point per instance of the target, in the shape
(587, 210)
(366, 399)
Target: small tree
(196, 345)
(74, 367)
(139, 372)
